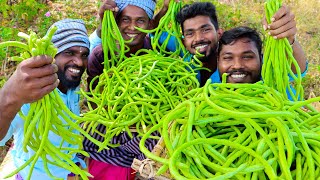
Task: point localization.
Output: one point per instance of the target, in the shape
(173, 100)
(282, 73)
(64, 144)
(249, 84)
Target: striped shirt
(129, 147)
(119, 156)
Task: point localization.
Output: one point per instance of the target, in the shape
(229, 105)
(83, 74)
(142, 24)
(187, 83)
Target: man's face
(131, 17)
(71, 63)
(241, 61)
(200, 35)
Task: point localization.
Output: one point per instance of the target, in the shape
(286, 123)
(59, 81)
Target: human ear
(220, 33)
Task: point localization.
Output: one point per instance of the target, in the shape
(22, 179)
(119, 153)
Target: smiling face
(71, 63)
(131, 17)
(200, 35)
(241, 60)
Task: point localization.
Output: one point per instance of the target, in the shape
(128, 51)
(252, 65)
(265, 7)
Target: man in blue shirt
(72, 42)
(201, 33)
(240, 56)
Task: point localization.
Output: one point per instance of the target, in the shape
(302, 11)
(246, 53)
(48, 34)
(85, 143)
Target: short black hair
(195, 9)
(234, 34)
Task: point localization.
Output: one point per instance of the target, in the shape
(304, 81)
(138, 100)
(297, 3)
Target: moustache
(81, 68)
(238, 71)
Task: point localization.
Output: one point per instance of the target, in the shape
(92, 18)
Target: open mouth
(74, 71)
(198, 48)
(238, 76)
(201, 47)
(131, 35)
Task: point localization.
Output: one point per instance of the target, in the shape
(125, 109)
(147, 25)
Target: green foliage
(2, 81)
(26, 10)
(228, 16)
(4, 7)
(6, 34)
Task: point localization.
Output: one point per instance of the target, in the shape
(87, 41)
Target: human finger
(282, 11)
(37, 61)
(107, 5)
(41, 92)
(37, 72)
(264, 23)
(46, 80)
(287, 19)
(289, 33)
(287, 28)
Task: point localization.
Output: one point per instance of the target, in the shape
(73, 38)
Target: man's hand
(107, 5)
(33, 78)
(167, 2)
(283, 24)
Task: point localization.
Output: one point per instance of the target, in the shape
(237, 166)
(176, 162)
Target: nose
(237, 63)
(198, 36)
(77, 60)
(131, 26)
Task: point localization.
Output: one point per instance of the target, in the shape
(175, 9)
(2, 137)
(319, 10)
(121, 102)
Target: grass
(231, 13)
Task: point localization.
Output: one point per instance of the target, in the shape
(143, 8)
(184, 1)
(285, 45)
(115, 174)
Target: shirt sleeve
(16, 125)
(303, 74)
(7, 137)
(171, 40)
(95, 40)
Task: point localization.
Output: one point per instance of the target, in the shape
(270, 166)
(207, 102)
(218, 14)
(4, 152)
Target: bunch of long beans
(113, 44)
(278, 60)
(167, 31)
(48, 117)
(138, 92)
(239, 131)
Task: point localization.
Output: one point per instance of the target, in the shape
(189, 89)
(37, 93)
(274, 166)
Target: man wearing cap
(72, 42)
(117, 6)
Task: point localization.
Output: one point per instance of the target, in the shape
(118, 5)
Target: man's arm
(33, 78)
(284, 26)
(95, 37)
(161, 13)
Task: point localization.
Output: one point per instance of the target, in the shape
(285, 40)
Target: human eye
(141, 21)
(68, 53)
(188, 34)
(125, 20)
(206, 29)
(248, 57)
(227, 58)
(85, 55)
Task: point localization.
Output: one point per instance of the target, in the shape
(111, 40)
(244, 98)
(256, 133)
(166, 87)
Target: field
(24, 15)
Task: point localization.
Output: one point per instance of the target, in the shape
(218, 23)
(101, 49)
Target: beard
(255, 77)
(207, 58)
(71, 82)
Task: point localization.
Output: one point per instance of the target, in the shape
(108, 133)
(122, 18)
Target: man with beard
(201, 33)
(240, 56)
(38, 77)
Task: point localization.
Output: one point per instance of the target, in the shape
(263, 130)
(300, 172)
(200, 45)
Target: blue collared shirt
(215, 78)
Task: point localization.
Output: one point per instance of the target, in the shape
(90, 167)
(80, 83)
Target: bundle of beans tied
(137, 93)
(278, 60)
(47, 116)
(239, 131)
